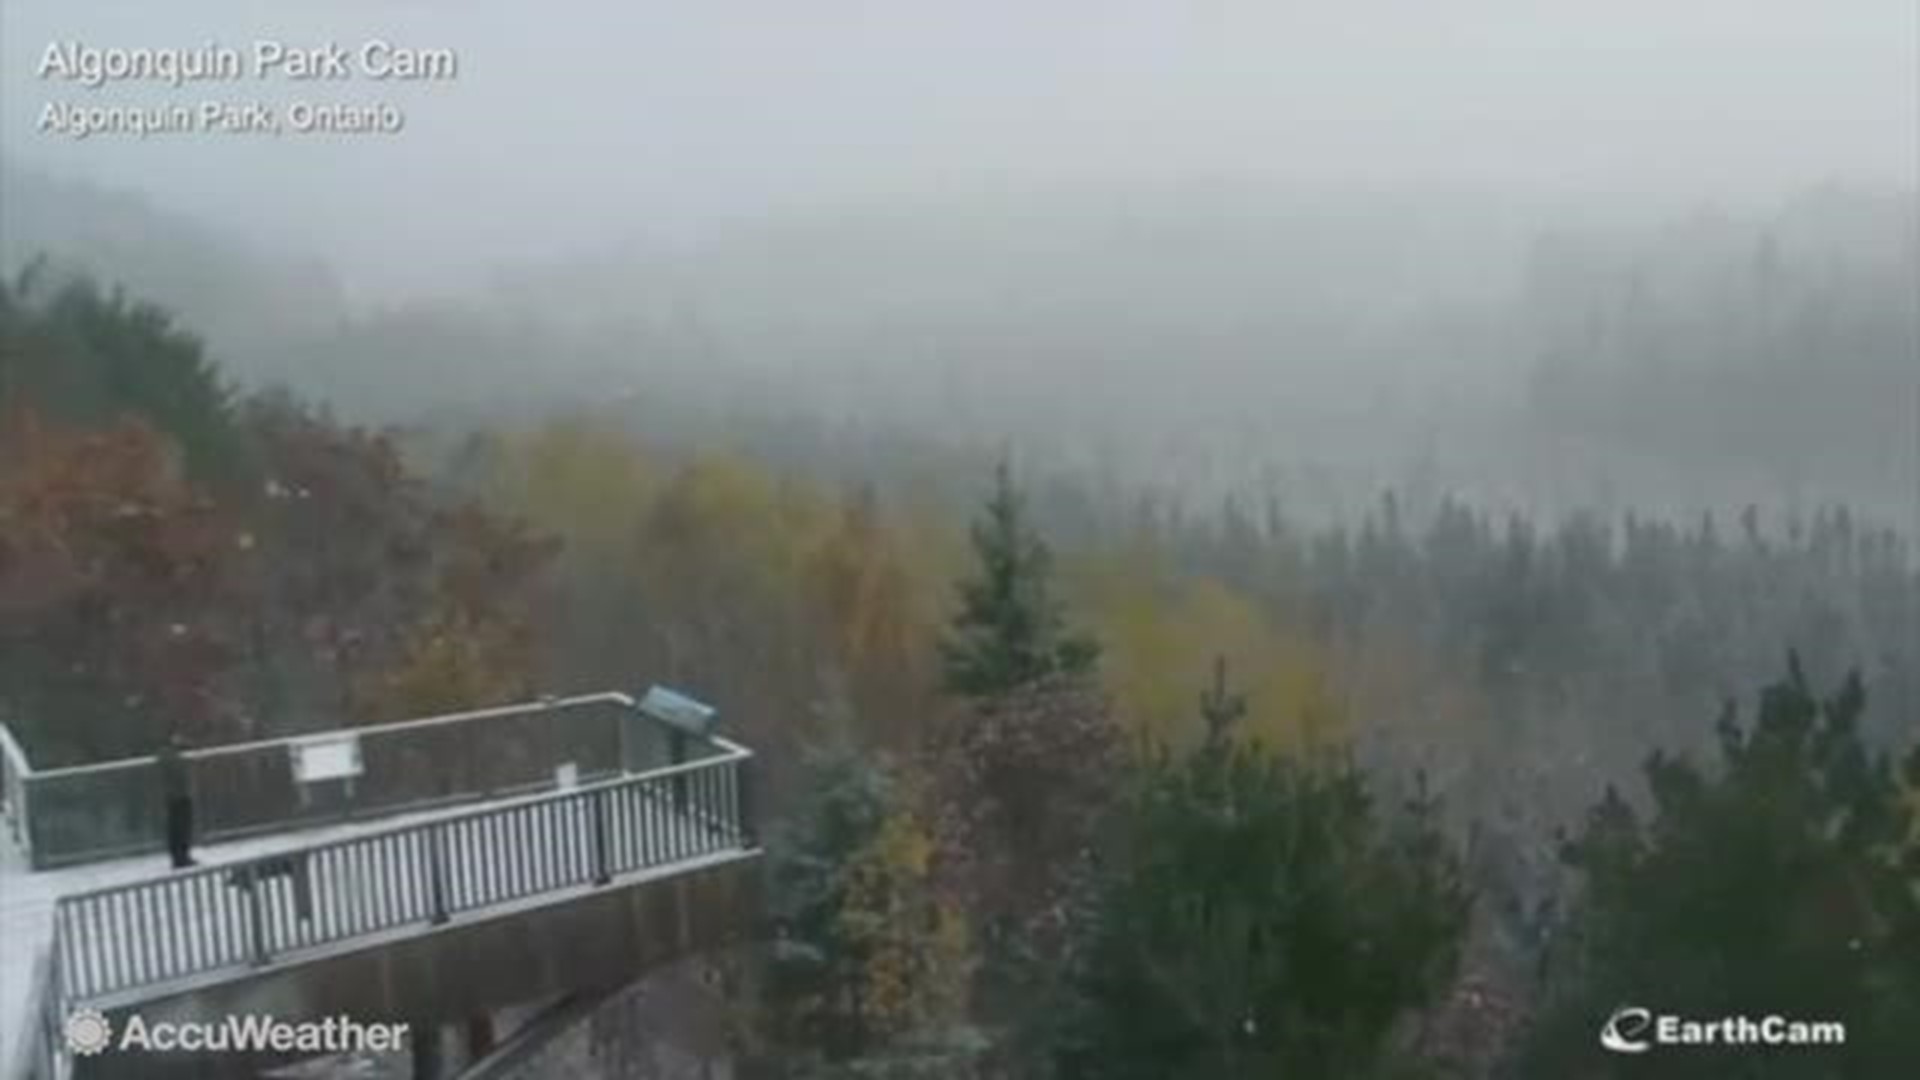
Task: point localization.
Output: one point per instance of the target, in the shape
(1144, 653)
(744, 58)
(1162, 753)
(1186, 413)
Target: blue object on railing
(677, 709)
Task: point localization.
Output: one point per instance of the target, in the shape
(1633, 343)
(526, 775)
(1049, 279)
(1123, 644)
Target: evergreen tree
(87, 357)
(1262, 917)
(1010, 631)
(868, 967)
(813, 976)
(1787, 885)
(1024, 774)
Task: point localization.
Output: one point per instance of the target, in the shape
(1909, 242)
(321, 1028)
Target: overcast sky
(569, 117)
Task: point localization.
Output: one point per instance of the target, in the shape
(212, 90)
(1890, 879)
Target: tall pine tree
(1785, 882)
(1010, 631)
(1258, 915)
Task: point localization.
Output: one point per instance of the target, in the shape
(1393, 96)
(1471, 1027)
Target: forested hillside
(1786, 345)
(240, 296)
(176, 558)
(1537, 355)
(1064, 779)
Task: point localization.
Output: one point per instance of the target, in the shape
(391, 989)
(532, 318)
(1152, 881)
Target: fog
(1218, 246)
(572, 124)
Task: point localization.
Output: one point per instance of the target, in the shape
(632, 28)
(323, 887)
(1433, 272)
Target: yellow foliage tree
(914, 946)
(722, 524)
(449, 662)
(735, 565)
(1162, 633)
(877, 616)
(579, 479)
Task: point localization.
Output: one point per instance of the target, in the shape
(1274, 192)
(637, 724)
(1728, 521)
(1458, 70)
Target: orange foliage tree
(115, 585)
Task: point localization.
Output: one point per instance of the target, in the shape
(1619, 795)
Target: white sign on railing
(336, 758)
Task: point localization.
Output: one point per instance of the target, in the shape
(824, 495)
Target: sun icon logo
(87, 1032)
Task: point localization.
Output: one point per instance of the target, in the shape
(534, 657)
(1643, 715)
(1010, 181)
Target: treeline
(932, 878)
(1032, 894)
(1552, 626)
(177, 559)
(1782, 348)
(1178, 794)
(1521, 667)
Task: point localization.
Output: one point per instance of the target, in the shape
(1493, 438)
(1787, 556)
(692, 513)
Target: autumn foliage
(117, 582)
(1001, 838)
(305, 579)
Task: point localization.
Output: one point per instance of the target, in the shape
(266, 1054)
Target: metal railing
(51, 1019)
(108, 809)
(252, 913)
(14, 772)
(35, 1051)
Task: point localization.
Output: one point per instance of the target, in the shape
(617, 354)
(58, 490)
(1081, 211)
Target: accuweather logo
(88, 1032)
(1635, 1030)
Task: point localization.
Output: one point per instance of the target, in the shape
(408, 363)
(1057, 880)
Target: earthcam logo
(1627, 1029)
(1633, 1029)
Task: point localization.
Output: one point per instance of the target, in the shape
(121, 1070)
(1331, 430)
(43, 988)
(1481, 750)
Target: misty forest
(1186, 629)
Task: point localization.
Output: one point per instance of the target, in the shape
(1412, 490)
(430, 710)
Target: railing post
(436, 875)
(256, 914)
(23, 822)
(15, 797)
(743, 783)
(17, 775)
(9, 794)
(677, 755)
(597, 805)
(44, 1064)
